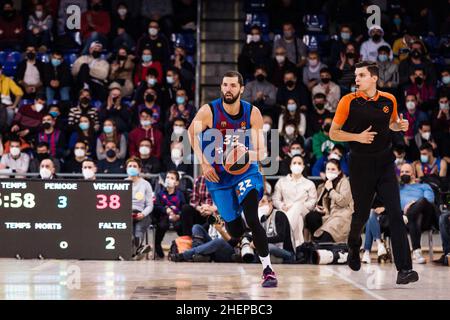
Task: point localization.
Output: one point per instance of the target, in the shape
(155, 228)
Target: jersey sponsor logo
(223, 124)
(243, 124)
(386, 109)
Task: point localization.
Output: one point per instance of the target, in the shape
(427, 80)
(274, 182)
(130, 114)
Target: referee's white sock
(266, 262)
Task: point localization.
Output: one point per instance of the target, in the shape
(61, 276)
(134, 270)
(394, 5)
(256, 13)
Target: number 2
(110, 243)
(242, 187)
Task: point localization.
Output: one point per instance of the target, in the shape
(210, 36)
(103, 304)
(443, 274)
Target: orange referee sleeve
(342, 109)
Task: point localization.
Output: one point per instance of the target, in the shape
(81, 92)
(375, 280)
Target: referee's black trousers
(370, 174)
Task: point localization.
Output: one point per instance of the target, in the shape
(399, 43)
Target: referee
(364, 119)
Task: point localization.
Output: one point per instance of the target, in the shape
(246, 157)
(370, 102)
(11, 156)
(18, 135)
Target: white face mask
(122, 11)
(176, 154)
(399, 161)
(145, 123)
(290, 130)
(169, 183)
(280, 58)
(331, 175)
(426, 135)
(178, 130)
(88, 174)
(79, 153)
(266, 127)
(39, 14)
(443, 106)
(335, 156)
(295, 152)
(144, 150)
(297, 169)
(263, 211)
(411, 105)
(153, 31)
(256, 38)
(45, 173)
(39, 107)
(14, 151)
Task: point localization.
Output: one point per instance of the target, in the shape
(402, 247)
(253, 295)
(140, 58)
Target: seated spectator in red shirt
(11, 27)
(53, 136)
(28, 119)
(147, 62)
(150, 97)
(145, 130)
(424, 92)
(95, 25)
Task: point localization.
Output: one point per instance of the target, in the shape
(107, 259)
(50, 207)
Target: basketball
(237, 160)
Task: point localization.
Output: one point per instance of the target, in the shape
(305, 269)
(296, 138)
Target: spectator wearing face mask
(318, 115)
(123, 27)
(424, 92)
(441, 124)
(145, 130)
(288, 135)
(429, 164)
(331, 218)
(151, 82)
(167, 210)
(416, 59)
(278, 66)
(402, 45)
(296, 50)
(423, 136)
(39, 28)
(388, 71)
(150, 103)
(296, 196)
(260, 92)
(85, 133)
(337, 153)
(43, 153)
(122, 68)
(11, 27)
(329, 88)
(340, 45)
(400, 158)
(311, 71)
(91, 72)
(115, 109)
(142, 207)
(84, 108)
(47, 170)
(176, 162)
(89, 169)
(150, 164)
(179, 62)
(291, 112)
(321, 142)
(417, 203)
(157, 42)
(110, 134)
(147, 61)
(111, 164)
(254, 53)
(15, 161)
(57, 78)
(292, 89)
(28, 119)
(444, 83)
(181, 109)
(54, 137)
(295, 149)
(414, 116)
(346, 67)
(369, 48)
(30, 73)
(95, 25)
(278, 230)
(173, 83)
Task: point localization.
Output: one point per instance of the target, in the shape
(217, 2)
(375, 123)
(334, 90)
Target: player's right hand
(367, 136)
(210, 173)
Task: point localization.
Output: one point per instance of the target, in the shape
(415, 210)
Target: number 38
(103, 203)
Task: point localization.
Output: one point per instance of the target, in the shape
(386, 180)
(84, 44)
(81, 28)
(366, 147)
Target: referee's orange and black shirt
(356, 112)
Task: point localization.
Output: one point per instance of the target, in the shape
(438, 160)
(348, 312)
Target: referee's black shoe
(353, 259)
(407, 276)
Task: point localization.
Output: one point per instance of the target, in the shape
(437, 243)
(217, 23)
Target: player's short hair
(372, 67)
(234, 74)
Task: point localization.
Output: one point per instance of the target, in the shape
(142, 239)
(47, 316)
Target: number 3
(248, 184)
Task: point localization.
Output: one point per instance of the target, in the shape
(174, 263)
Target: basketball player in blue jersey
(230, 118)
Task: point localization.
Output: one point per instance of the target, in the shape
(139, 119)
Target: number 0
(110, 245)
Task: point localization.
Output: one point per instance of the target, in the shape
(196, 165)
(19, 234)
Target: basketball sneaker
(269, 278)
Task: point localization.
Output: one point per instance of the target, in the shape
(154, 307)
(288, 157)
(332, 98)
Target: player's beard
(230, 100)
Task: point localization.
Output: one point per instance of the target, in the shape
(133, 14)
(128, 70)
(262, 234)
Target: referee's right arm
(339, 135)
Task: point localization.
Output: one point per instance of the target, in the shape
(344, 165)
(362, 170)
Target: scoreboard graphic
(66, 219)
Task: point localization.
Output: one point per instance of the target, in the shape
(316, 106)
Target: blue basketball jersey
(228, 130)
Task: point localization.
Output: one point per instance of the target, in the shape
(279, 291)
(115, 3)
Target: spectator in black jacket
(157, 42)
(175, 161)
(57, 78)
(30, 73)
(123, 28)
(278, 66)
(114, 109)
(293, 89)
(111, 164)
(150, 164)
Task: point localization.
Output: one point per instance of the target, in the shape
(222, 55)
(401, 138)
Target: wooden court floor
(141, 280)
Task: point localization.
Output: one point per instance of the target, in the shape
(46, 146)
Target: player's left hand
(402, 124)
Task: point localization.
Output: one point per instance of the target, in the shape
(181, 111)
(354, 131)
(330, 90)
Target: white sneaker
(366, 257)
(418, 258)
(381, 249)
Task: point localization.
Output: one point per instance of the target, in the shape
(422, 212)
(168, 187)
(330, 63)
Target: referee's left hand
(403, 124)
